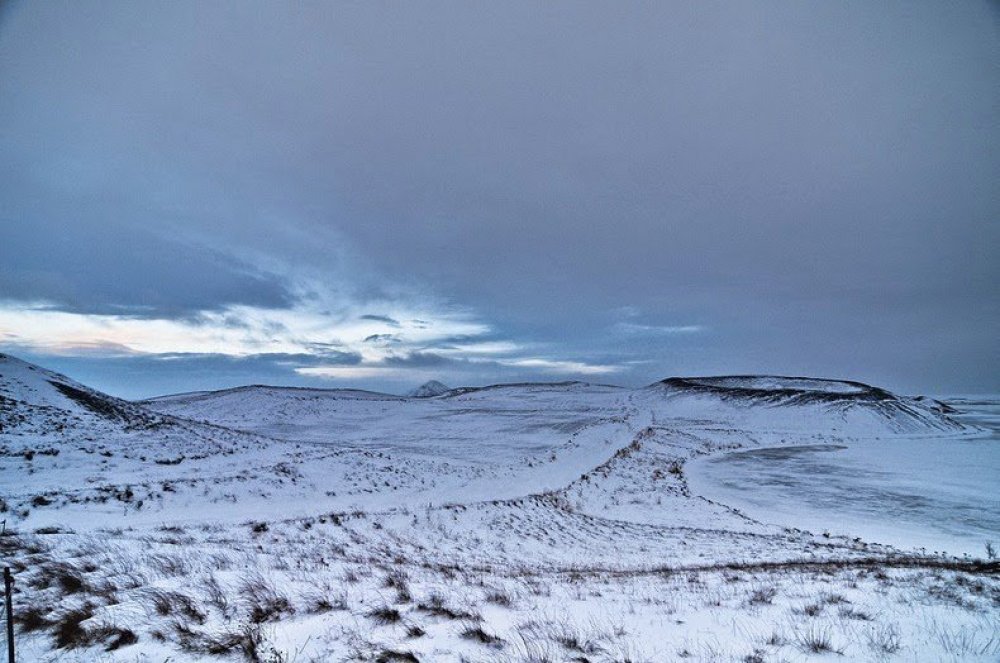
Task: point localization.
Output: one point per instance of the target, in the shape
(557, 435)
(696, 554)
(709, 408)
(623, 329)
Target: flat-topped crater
(779, 387)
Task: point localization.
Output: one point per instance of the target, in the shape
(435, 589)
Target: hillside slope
(33, 399)
(489, 524)
(795, 402)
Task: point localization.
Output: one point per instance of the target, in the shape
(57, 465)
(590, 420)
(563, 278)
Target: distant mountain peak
(429, 389)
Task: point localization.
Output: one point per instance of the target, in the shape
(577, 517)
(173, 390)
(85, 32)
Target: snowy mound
(257, 392)
(429, 390)
(529, 389)
(801, 402)
(259, 407)
(772, 388)
(36, 398)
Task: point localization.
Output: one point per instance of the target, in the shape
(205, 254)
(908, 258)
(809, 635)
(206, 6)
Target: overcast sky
(197, 195)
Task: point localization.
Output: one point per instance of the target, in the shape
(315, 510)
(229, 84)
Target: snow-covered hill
(429, 389)
(498, 523)
(35, 399)
(261, 406)
(71, 454)
(779, 402)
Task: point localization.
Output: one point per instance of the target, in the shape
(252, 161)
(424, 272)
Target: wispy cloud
(479, 348)
(313, 338)
(655, 330)
(560, 366)
(428, 364)
(392, 322)
(306, 329)
(347, 372)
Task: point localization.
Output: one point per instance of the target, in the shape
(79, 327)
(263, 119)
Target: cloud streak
(309, 338)
(561, 366)
(237, 331)
(656, 330)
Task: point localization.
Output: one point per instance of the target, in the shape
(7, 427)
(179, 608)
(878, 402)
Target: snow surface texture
(529, 522)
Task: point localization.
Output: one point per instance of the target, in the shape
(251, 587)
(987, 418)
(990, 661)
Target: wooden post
(8, 584)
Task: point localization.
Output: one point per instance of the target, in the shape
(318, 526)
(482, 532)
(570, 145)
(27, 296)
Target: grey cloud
(325, 348)
(340, 357)
(421, 360)
(381, 318)
(814, 183)
(382, 338)
(144, 376)
(74, 256)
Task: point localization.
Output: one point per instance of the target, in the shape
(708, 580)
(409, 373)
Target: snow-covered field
(558, 522)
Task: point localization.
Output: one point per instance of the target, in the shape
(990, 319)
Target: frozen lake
(941, 494)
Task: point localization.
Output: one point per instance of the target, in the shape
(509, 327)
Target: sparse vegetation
(884, 639)
(437, 606)
(476, 633)
(762, 595)
(815, 639)
(577, 572)
(386, 615)
(263, 601)
(395, 656)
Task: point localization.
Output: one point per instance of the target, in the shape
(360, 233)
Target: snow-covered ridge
(565, 386)
(802, 402)
(272, 390)
(33, 397)
(270, 410)
(775, 387)
(29, 392)
(22, 381)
